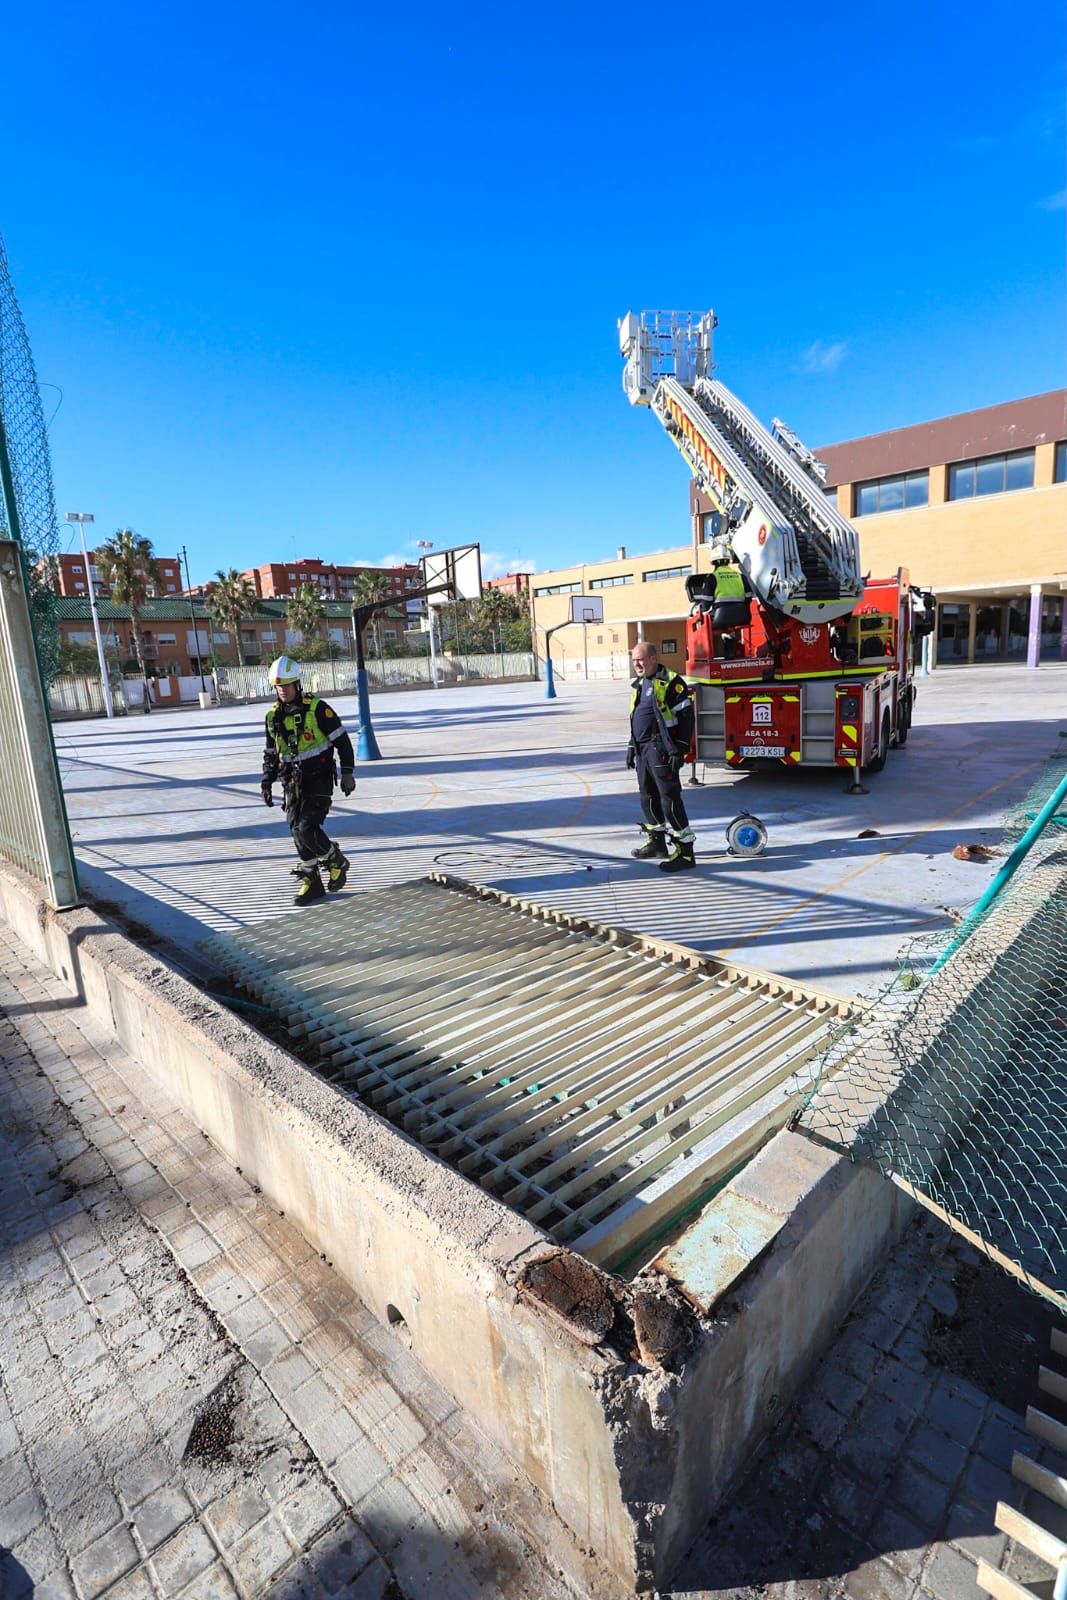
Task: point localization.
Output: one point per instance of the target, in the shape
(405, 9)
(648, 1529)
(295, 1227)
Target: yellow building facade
(974, 506)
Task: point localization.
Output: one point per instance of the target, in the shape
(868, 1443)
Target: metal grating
(593, 1080)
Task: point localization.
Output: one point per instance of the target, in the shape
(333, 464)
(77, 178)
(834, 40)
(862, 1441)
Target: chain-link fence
(28, 503)
(955, 1081)
(33, 820)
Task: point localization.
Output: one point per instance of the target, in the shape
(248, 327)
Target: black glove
(631, 759)
(266, 789)
(675, 760)
(348, 780)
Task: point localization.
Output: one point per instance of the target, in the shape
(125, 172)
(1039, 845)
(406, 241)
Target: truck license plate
(763, 750)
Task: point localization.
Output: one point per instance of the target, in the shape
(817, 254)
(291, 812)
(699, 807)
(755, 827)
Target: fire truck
(800, 661)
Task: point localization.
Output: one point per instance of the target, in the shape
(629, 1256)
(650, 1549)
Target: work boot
(654, 845)
(337, 867)
(681, 858)
(310, 886)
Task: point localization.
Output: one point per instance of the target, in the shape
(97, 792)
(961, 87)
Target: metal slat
(563, 1066)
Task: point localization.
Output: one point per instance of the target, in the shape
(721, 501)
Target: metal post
(1007, 871)
(366, 744)
(81, 518)
(192, 619)
(433, 646)
(1033, 641)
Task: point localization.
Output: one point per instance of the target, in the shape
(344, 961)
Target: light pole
(81, 518)
(427, 544)
(192, 619)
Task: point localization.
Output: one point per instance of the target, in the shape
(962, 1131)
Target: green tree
(229, 603)
(126, 561)
(369, 589)
(78, 660)
(304, 611)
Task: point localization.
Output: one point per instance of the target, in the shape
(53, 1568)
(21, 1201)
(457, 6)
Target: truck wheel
(878, 760)
(904, 719)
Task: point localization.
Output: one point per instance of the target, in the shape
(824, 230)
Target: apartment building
(513, 583)
(278, 579)
(973, 506)
(74, 575)
(180, 635)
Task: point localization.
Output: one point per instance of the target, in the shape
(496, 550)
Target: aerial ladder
(832, 654)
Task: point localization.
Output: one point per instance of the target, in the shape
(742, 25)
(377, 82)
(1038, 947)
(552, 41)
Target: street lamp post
(427, 544)
(81, 518)
(192, 619)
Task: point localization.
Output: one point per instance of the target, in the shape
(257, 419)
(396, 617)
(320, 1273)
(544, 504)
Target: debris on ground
(975, 852)
(869, 833)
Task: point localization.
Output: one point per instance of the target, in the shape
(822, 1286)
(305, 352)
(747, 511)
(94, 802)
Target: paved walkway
(192, 1403)
(882, 1481)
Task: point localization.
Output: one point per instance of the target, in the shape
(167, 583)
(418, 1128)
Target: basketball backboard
(460, 568)
(587, 608)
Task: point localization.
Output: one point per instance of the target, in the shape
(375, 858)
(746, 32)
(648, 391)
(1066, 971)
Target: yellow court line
(582, 809)
(883, 855)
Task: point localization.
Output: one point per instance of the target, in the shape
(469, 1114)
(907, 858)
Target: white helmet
(284, 670)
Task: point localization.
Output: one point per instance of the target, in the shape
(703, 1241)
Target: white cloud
(819, 357)
(495, 565)
(1054, 202)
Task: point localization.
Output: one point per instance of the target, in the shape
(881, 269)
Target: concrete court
(501, 786)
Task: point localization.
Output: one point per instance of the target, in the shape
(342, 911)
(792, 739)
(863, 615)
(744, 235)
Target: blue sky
(327, 280)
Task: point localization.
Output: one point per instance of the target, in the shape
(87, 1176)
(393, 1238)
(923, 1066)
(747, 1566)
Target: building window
(78, 584)
(560, 588)
(220, 638)
(76, 566)
(898, 493)
(166, 638)
(600, 638)
(611, 583)
(831, 495)
(171, 587)
(668, 647)
(665, 572)
(1059, 471)
(991, 475)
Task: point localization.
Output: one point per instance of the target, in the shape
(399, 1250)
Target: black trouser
(306, 806)
(661, 793)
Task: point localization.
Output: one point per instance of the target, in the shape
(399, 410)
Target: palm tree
(369, 588)
(305, 610)
(126, 562)
(229, 603)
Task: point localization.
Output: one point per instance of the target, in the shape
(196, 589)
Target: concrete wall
(633, 1449)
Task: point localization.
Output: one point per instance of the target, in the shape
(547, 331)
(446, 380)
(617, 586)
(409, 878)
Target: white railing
(339, 677)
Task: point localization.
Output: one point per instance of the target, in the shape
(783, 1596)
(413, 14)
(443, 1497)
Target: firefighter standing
(661, 727)
(302, 737)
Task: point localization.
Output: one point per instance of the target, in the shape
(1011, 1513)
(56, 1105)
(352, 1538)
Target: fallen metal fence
(339, 677)
(955, 1081)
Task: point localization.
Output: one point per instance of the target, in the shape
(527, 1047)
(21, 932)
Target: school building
(973, 506)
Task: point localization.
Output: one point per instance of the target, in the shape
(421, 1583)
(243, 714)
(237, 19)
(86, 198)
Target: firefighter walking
(303, 737)
(661, 727)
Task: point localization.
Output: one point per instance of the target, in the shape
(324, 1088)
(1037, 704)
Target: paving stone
(950, 1576)
(214, 1583)
(1001, 1434)
(953, 1409)
(309, 1510)
(105, 1560)
(972, 1529)
(19, 1516)
(260, 1556)
(900, 1539)
(359, 1471)
(985, 1484)
(135, 1585)
(160, 1515)
(235, 1513)
(922, 1497)
(865, 1454)
(183, 1558)
(341, 1555)
(934, 1452)
(878, 1580)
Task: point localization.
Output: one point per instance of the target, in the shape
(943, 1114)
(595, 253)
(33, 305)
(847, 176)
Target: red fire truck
(794, 657)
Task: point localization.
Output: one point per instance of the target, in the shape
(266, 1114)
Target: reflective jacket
(674, 709)
(305, 733)
(729, 582)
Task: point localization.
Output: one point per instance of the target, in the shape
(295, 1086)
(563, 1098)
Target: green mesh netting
(955, 1080)
(27, 503)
